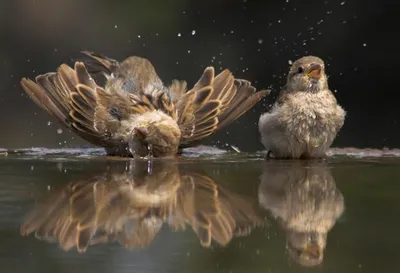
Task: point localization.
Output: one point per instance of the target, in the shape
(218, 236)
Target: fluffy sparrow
(303, 197)
(306, 117)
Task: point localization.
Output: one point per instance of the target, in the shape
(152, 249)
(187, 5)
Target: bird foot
(269, 155)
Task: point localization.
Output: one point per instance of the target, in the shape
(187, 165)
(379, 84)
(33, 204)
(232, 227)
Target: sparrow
(134, 113)
(302, 196)
(306, 117)
(129, 204)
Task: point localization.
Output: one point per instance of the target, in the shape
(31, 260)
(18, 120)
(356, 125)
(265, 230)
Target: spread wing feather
(213, 103)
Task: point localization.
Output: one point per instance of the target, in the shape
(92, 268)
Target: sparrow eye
(300, 70)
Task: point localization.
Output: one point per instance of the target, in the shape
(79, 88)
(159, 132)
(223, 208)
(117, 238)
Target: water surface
(209, 211)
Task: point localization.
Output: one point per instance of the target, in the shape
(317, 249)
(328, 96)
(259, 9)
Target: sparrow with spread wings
(130, 207)
(134, 113)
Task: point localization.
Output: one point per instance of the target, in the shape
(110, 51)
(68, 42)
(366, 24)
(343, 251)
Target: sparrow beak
(140, 132)
(314, 71)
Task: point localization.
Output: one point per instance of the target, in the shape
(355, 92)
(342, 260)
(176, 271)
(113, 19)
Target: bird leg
(268, 155)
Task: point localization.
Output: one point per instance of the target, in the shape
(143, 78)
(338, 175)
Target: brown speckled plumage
(130, 207)
(306, 117)
(134, 113)
(303, 197)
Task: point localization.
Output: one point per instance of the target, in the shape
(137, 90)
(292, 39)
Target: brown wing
(242, 209)
(122, 206)
(68, 216)
(95, 114)
(212, 103)
(70, 96)
(212, 212)
(84, 213)
(244, 99)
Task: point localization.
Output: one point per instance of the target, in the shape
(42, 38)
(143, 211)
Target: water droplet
(193, 32)
(179, 35)
(115, 26)
(260, 41)
(344, 2)
(59, 131)
(149, 167)
(290, 62)
(139, 36)
(150, 149)
(48, 123)
(364, 44)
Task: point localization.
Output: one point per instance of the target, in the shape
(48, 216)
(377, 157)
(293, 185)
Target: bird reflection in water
(303, 198)
(129, 205)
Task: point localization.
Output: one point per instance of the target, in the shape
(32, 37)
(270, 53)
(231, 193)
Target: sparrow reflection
(303, 197)
(129, 204)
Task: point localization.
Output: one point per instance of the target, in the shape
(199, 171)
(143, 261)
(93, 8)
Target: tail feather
(100, 63)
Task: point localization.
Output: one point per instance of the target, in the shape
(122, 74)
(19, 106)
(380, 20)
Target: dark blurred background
(254, 39)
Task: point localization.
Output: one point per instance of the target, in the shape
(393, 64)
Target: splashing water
(150, 149)
(149, 166)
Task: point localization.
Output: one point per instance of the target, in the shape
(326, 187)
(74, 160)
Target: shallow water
(207, 211)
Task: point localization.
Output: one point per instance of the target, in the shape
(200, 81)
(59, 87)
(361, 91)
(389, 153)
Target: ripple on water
(198, 152)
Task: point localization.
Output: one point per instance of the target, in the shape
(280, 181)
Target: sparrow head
(306, 248)
(155, 134)
(307, 74)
